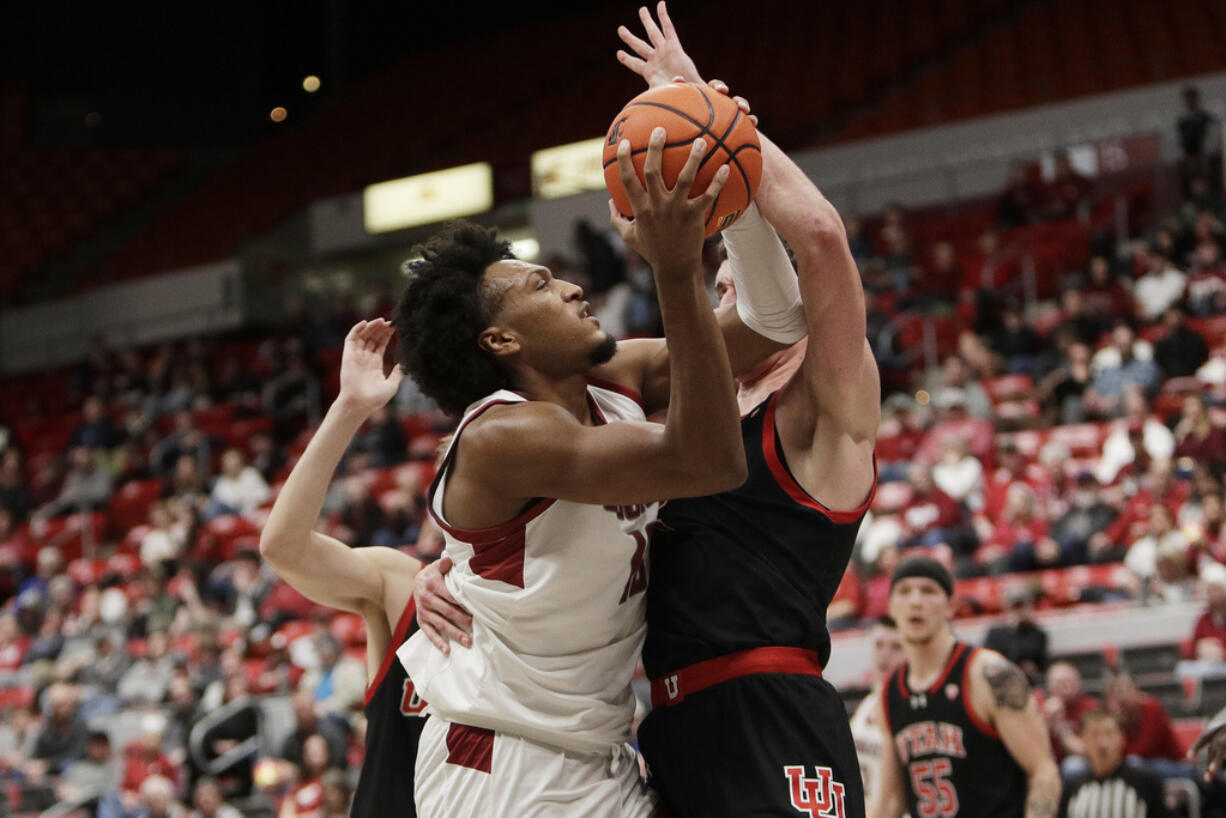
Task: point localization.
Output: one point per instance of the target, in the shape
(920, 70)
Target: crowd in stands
(142, 638)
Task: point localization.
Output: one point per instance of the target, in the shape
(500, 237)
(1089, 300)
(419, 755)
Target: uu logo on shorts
(671, 687)
(820, 797)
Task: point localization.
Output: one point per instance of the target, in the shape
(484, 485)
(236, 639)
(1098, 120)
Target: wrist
(348, 407)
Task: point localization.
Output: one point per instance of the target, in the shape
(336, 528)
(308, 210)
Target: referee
(1112, 788)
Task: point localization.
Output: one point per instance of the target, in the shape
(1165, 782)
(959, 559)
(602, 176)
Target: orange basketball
(686, 112)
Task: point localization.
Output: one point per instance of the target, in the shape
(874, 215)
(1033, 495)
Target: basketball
(686, 112)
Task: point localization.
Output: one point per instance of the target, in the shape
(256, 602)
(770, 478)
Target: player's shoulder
(504, 424)
(997, 680)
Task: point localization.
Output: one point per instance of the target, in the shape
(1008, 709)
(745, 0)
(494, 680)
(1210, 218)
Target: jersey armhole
(772, 451)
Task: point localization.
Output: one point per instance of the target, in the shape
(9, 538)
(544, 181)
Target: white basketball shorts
(469, 771)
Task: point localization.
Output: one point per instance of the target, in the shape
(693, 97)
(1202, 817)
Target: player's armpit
(538, 449)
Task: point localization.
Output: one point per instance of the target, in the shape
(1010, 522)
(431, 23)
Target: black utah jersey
(748, 568)
(953, 763)
(393, 727)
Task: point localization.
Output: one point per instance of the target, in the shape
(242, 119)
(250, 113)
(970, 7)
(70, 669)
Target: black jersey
(393, 727)
(953, 763)
(752, 567)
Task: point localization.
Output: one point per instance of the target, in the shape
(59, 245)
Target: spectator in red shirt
(1020, 541)
(307, 798)
(877, 586)
(954, 421)
(1064, 702)
(1147, 726)
(1209, 635)
(1197, 437)
(144, 758)
(931, 514)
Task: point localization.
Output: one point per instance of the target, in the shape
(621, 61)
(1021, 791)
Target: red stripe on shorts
(471, 747)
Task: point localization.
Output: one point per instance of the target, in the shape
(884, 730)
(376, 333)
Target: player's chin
(604, 351)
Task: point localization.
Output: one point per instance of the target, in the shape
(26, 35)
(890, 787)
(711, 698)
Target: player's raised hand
(660, 58)
(668, 226)
(1213, 743)
(365, 386)
(440, 617)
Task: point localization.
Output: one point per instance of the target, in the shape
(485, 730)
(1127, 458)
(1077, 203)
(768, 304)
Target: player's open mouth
(587, 313)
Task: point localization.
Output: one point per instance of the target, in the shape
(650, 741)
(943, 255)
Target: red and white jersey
(558, 605)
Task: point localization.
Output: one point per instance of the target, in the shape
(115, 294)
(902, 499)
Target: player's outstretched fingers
(630, 180)
(653, 177)
(643, 49)
(666, 22)
(719, 86)
(649, 25)
(685, 179)
(708, 197)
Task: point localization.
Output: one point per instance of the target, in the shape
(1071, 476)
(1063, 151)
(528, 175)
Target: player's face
(725, 288)
(921, 609)
(552, 327)
(887, 649)
(1104, 745)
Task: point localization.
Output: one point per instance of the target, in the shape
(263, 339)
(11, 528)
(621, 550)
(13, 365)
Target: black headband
(923, 567)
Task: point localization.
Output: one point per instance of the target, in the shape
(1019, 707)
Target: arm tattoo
(1043, 798)
(1008, 684)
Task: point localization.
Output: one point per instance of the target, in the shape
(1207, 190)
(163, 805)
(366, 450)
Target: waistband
(674, 687)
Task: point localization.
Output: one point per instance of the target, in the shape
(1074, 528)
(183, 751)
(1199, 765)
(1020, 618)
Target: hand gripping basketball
(688, 111)
(667, 226)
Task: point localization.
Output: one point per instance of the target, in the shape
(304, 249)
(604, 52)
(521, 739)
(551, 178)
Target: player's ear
(498, 341)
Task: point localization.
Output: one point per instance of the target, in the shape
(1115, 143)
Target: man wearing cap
(962, 730)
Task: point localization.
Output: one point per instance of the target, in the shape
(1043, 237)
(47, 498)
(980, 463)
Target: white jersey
(558, 605)
(866, 733)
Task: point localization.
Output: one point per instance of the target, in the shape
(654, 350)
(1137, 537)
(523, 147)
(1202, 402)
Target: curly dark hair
(443, 311)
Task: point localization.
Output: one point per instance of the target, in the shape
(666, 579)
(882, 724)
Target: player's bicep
(1015, 714)
(847, 388)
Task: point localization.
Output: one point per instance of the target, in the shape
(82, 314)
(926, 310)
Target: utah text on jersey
(930, 738)
(820, 797)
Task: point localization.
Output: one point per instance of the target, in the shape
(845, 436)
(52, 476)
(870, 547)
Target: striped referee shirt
(1129, 792)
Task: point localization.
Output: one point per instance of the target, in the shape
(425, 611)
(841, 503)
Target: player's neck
(569, 392)
(926, 660)
(768, 376)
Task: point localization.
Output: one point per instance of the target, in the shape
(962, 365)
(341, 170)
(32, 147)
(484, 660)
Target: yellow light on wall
(310, 83)
(429, 197)
(568, 169)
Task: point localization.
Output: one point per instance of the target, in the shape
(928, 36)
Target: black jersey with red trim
(953, 763)
(748, 568)
(393, 728)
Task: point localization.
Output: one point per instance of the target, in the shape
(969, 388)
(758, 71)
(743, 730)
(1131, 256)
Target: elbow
(720, 474)
(824, 232)
(272, 547)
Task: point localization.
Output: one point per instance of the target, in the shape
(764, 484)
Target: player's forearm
(1043, 793)
(703, 425)
(287, 534)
